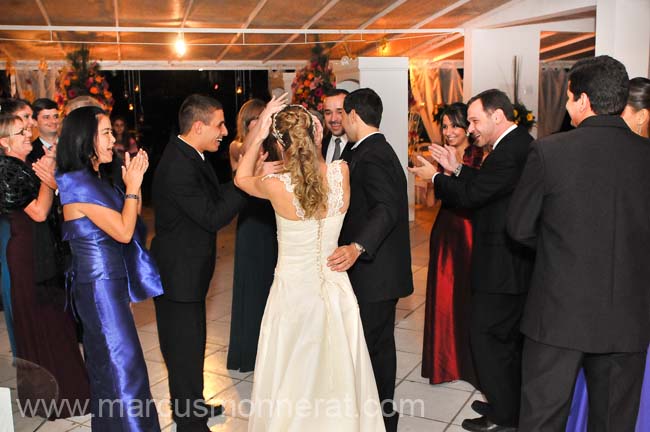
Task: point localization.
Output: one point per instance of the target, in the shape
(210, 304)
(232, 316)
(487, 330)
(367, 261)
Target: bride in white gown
(313, 371)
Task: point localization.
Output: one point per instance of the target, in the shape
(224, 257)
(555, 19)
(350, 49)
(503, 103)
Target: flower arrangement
(82, 79)
(523, 117)
(313, 81)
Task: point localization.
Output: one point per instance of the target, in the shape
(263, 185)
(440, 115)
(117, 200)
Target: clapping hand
(44, 168)
(425, 171)
(445, 156)
(134, 169)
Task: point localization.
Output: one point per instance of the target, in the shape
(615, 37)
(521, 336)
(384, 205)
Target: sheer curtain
(34, 84)
(552, 98)
(433, 84)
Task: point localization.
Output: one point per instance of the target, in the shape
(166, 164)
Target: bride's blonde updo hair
(293, 127)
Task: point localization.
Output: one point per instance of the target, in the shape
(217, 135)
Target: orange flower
(93, 90)
(66, 82)
(306, 83)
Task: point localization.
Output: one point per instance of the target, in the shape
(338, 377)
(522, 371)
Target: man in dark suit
(583, 203)
(335, 141)
(190, 207)
(375, 247)
(501, 268)
(46, 115)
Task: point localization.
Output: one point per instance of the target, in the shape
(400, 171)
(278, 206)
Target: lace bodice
(334, 195)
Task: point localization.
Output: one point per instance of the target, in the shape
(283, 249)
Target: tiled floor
(436, 408)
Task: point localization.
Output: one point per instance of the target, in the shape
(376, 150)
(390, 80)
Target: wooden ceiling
(259, 31)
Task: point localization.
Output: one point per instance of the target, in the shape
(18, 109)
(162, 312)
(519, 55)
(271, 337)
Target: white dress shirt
(332, 145)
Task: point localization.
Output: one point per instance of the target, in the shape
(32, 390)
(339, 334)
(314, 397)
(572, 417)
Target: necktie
(337, 149)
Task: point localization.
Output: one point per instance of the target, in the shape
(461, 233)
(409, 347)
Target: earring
(467, 133)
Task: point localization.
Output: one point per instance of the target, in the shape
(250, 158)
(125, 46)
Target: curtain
(433, 84)
(552, 98)
(35, 84)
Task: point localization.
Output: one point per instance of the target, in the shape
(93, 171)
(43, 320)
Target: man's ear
(197, 127)
(584, 102)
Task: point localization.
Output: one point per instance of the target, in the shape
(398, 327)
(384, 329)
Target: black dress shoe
(481, 407)
(213, 410)
(482, 424)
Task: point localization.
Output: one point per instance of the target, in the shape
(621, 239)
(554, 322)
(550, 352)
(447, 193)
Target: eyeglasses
(22, 132)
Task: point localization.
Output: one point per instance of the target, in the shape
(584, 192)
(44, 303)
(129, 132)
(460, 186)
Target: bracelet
(132, 196)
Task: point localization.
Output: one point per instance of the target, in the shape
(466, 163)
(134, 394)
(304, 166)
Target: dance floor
(424, 407)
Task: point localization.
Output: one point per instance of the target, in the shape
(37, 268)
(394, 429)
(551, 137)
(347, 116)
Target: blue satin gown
(107, 276)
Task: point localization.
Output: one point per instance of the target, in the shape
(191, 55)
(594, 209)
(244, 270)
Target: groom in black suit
(500, 268)
(375, 247)
(583, 203)
(190, 207)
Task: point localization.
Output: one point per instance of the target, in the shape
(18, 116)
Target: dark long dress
(446, 352)
(44, 332)
(256, 254)
(107, 276)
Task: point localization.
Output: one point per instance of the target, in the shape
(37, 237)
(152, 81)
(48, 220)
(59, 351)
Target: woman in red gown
(446, 353)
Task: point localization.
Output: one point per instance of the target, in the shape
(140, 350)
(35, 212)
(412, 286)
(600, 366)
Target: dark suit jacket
(190, 206)
(37, 151)
(499, 265)
(584, 203)
(378, 219)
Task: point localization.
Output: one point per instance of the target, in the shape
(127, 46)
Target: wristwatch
(457, 170)
(358, 247)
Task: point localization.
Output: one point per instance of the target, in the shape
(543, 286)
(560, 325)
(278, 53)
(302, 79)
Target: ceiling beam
(431, 45)
(429, 19)
(448, 54)
(221, 30)
(46, 17)
(249, 20)
(117, 34)
(567, 42)
(523, 12)
(308, 24)
(570, 54)
(374, 19)
(188, 9)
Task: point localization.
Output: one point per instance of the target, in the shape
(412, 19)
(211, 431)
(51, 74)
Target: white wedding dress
(313, 371)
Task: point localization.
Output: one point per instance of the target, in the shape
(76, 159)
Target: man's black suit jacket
(37, 151)
(499, 265)
(378, 219)
(190, 206)
(584, 203)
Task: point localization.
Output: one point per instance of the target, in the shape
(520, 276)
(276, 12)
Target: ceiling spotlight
(136, 88)
(181, 48)
(131, 107)
(239, 89)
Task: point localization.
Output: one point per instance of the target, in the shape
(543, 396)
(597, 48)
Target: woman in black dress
(256, 252)
(44, 332)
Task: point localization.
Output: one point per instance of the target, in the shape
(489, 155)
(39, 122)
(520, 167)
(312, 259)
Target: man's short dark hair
(493, 100)
(605, 82)
(367, 104)
(42, 104)
(335, 92)
(196, 107)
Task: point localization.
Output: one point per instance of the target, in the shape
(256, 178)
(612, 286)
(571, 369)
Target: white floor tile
(406, 362)
(432, 402)
(467, 411)
(418, 424)
(409, 340)
(236, 400)
(216, 362)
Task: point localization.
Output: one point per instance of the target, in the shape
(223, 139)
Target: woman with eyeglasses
(256, 252)
(44, 332)
(22, 109)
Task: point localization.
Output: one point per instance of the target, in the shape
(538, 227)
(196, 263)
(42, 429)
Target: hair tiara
(277, 134)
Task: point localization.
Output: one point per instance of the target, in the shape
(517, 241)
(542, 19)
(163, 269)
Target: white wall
(489, 58)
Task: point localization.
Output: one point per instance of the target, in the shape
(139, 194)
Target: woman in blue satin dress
(111, 268)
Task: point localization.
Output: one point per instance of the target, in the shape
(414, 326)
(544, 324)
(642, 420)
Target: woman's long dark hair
(76, 148)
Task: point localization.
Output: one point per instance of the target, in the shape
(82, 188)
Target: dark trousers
(181, 331)
(496, 349)
(549, 374)
(378, 321)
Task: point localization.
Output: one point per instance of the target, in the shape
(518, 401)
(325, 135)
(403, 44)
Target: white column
(388, 76)
(489, 58)
(623, 32)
